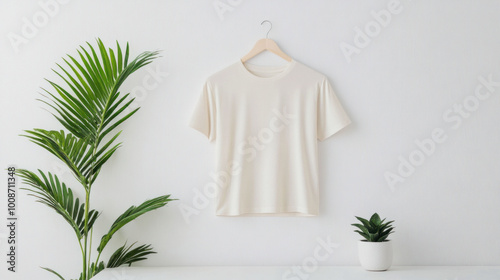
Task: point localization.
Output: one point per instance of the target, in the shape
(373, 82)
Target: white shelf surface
(288, 273)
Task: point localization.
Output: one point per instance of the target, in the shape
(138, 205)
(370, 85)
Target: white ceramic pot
(376, 256)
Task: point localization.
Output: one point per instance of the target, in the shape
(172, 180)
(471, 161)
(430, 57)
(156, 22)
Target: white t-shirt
(265, 122)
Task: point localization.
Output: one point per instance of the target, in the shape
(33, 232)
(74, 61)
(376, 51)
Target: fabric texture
(266, 122)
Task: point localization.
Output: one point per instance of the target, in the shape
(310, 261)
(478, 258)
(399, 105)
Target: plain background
(423, 64)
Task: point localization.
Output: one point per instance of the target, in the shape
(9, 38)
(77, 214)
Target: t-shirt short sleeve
(331, 115)
(203, 118)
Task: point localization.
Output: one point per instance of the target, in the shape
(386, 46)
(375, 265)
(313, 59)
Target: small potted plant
(375, 250)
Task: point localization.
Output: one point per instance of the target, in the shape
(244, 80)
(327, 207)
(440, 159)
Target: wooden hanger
(266, 44)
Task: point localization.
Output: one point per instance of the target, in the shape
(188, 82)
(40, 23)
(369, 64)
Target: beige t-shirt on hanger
(266, 123)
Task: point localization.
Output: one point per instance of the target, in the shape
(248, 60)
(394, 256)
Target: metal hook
(271, 27)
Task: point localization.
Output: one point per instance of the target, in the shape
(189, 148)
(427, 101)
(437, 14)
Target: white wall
(427, 59)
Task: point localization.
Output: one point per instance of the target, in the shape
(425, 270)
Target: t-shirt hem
(269, 213)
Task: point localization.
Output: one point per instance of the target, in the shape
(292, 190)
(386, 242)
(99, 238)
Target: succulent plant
(374, 230)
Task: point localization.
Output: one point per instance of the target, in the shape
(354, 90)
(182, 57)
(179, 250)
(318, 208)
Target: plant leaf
(51, 192)
(92, 86)
(67, 148)
(52, 271)
(361, 227)
(132, 213)
(375, 220)
(384, 237)
(126, 255)
(386, 225)
(94, 269)
(365, 223)
(366, 236)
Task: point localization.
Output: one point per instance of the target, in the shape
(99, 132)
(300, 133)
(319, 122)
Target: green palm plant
(90, 106)
(374, 230)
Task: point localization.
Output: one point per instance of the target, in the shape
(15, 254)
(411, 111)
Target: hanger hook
(270, 27)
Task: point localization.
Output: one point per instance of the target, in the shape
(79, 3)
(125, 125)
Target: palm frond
(89, 104)
(94, 269)
(132, 213)
(51, 192)
(53, 272)
(68, 148)
(126, 255)
(77, 154)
